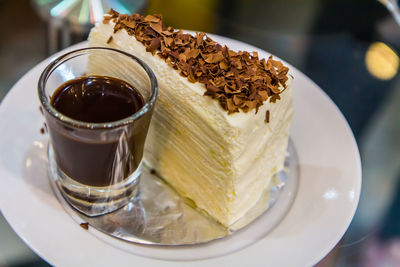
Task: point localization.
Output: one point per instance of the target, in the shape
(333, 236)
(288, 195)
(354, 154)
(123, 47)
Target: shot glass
(97, 166)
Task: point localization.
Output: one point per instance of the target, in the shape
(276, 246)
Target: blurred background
(349, 48)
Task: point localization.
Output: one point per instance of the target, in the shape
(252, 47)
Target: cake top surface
(238, 80)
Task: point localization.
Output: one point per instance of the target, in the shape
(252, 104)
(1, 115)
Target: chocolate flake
(238, 80)
(151, 18)
(84, 226)
(267, 117)
(109, 39)
(154, 45)
(106, 19)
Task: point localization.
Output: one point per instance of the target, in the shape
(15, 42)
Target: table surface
(349, 48)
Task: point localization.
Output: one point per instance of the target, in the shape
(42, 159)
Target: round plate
(327, 197)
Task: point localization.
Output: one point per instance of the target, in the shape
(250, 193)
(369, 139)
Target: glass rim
(45, 102)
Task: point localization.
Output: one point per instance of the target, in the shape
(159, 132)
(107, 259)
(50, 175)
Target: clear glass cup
(97, 166)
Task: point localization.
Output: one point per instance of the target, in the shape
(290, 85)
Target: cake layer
(223, 162)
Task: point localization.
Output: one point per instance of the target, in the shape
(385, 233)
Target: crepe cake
(220, 128)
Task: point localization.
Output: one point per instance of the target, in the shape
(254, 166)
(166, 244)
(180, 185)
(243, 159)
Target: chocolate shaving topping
(84, 226)
(267, 117)
(238, 80)
(109, 39)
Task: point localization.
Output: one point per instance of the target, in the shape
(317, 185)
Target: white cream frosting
(222, 162)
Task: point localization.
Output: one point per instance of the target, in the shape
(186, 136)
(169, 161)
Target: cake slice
(220, 127)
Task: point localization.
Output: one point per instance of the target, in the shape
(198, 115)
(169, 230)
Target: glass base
(92, 200)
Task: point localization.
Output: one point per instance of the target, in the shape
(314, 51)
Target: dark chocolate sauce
(97, 99)
(84, 154)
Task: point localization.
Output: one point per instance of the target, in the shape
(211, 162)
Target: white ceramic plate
(327, 197)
